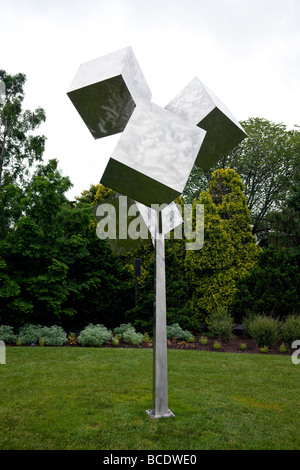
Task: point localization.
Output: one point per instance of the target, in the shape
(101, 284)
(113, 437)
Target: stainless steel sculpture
(199, 105)
(154, 156)
(151, 162)
(105, 91)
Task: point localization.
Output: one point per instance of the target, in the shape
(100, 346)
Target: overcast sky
(246, 51)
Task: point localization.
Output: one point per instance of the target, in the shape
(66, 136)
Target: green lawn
(93, 398)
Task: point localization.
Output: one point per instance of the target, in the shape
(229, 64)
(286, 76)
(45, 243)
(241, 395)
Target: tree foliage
(272, 287)
(265, 161)
(229, 252)
(286, 220)
(19, 148)
(53, 267)
(55, 270)
(274, 284)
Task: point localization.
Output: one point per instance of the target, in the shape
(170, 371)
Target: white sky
(246, 51)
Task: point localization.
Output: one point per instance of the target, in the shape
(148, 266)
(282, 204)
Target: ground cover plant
(95, 398)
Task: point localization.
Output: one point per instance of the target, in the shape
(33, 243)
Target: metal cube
(154, 156)
(199, 105)
(105, 91)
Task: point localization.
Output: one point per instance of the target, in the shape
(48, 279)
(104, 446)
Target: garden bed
(233, 345)
(239, 343)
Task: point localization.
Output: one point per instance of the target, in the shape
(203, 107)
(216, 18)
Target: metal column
(160, 368)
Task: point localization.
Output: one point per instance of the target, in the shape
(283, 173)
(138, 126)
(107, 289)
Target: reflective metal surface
(160, 369)
(154, 156)
(199, 105)
(105, 91)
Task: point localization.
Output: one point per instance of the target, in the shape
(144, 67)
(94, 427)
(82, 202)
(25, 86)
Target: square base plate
(154, 415)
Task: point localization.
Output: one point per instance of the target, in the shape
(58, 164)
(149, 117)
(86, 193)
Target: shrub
(290, 328)
(7, 334)
(264, 330)
(94, 335)
(217, 345)
(30, 334)
(220, 323)
(191, 339)
(175, 331)
(129, 334)
(243, 347)
(72, 339)
(132, 337)
(203, 340)
(115, 340)
(53, 335)
(147, 338)
(185, 316)
(282, 348)
(247, 320)
(122, 328)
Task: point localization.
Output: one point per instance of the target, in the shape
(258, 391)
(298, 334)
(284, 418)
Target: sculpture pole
(160, 368)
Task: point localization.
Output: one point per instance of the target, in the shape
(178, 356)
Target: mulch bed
(230, 346)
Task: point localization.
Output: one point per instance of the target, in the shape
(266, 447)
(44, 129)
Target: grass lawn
(92, 398)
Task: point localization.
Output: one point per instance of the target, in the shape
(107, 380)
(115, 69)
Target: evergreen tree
(230, 250)
(272, 287)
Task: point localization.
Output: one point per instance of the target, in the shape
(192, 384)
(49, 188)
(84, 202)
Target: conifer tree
(230, 250)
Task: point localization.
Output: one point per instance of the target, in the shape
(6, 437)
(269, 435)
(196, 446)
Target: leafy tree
(274, 284)
(265, 161)
(19, 149)
(229, 252)
(286, 221)
(31, 255)
(104, 285)
(53, 268)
